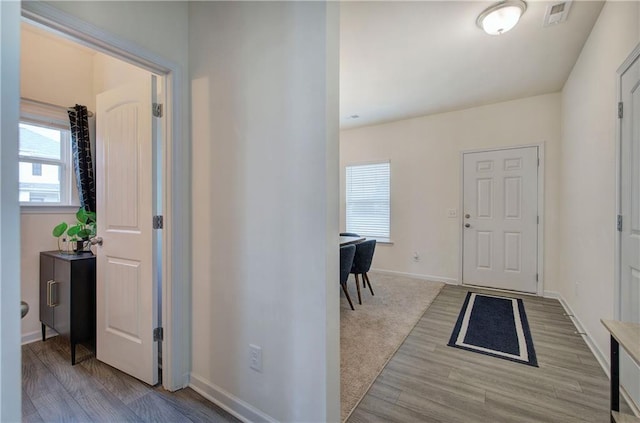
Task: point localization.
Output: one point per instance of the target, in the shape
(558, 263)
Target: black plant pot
(80, 245)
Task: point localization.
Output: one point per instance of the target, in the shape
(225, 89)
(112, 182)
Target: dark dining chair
(346, 261)
(362, 263)
(348, 234)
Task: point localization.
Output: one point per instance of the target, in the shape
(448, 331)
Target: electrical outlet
(255, 357)
(452, 213)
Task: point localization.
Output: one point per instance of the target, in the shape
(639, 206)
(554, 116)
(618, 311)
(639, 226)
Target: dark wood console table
(627, 336)
(68, 297)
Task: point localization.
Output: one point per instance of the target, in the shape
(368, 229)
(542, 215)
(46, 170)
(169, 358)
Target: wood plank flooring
(427, 381)
(91, 391)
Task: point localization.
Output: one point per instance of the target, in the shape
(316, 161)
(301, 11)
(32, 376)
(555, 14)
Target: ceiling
(405, 59)
(402, 59)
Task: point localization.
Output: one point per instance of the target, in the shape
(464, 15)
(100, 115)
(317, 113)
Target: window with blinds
(368, 199)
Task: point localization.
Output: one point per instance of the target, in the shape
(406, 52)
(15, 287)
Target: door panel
(512, 248)
(500, 237)
(513, 198)
(483, 250)
(485, 198)
(630, 210)
(123, 162)
(123, 289)
(126, 309)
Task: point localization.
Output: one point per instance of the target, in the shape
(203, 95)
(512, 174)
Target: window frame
(36, 170)
(33, 113)
(380, 239)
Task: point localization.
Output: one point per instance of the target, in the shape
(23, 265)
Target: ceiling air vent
(557, 13)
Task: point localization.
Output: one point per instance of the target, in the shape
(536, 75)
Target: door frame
(617, 268)
(631, 58)
(176, 232)
(540, 249)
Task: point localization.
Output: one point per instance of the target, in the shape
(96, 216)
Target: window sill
(48, 209)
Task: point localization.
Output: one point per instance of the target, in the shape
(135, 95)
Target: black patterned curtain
(82, 161)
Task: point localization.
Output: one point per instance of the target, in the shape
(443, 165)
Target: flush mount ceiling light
(501, 17)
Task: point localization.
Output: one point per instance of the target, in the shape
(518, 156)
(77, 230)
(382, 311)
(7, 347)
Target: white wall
(588, 169)
(425, 177)
(159, 26)
(265, 261)
(109, 73)
(54, 71)
(10, 391)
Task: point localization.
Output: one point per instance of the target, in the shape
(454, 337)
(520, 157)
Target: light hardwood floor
(427, 381)
(91, 391)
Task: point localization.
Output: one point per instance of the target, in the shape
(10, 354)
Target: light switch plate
(452, 213)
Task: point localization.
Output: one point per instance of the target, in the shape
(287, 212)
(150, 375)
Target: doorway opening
(65, 70)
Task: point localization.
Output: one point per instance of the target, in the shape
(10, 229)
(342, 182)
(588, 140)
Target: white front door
(126, 303)
(500, 218)
(630, 211)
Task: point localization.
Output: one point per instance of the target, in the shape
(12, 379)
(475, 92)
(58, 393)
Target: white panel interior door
(630, 210)
(126, 303)
(500, 218)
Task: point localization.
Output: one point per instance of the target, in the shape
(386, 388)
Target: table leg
(615, 375)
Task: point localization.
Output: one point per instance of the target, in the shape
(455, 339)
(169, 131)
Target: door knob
(466, 225)
(466, 216)
(96, 240)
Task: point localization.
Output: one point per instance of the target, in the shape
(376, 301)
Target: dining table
(348, 240)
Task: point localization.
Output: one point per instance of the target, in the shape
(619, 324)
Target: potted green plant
(79, 233)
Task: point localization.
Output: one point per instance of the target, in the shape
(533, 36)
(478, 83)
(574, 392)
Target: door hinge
(538, 220)
(157, 110)
(619, 223)
(620, 110)
(536, 277)
(158, 222)
(158, 334)
(538, 161)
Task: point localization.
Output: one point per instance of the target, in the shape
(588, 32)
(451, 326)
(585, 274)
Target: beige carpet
(371, 334)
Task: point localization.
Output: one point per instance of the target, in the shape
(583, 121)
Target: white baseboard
(235, 406)
(35, 336)
(443, 279)
(598, 354)
(632, 405)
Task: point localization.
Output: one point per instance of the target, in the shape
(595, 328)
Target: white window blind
(368, 199)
